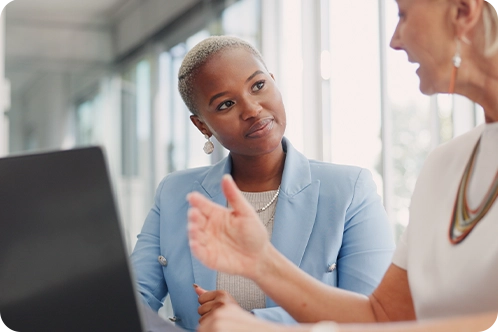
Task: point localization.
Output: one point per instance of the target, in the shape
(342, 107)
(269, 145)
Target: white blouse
(446, 279)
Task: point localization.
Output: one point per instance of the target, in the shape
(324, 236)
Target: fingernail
(195, 285)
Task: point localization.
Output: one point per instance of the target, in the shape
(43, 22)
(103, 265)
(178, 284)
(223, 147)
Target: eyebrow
(216, 96)
(257, 72)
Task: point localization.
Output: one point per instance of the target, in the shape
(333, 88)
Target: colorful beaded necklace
(464, 219)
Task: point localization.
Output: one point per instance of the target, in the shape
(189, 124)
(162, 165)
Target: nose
(251, 108)
(395, 43)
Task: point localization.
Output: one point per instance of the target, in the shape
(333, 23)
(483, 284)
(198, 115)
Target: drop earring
(457, 61)
(208, 146)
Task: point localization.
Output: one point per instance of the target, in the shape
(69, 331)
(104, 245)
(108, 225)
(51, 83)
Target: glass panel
(412, 118)
(85, 123)
(355, 86)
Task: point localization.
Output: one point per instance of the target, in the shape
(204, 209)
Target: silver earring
(208, 146)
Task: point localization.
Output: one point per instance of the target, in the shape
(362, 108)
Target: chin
(426, 90)
(426, 87)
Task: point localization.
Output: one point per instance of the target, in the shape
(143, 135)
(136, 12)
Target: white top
(245, 291)
(445, 279)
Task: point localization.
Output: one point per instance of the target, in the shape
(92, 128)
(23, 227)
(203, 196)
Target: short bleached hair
(198, 56)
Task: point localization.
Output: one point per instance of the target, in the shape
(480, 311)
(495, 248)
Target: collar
(295, 178)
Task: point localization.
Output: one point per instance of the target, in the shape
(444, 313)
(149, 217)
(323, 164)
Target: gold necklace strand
(463, 221)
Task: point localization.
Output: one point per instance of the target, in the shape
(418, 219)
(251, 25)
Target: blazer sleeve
(368, 244)
(274, 314)
(144, 259)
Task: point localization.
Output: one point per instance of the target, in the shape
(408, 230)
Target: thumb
(233, 195)
(199, 290)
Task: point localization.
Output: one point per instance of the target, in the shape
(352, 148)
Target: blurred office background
(103, 72)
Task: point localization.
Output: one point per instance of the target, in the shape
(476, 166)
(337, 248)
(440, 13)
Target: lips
(260, 128)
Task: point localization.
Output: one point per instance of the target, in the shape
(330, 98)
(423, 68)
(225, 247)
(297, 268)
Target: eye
(258, 86)
(226, 104)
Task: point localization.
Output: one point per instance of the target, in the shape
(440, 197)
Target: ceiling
(83, 11)
(77, 36)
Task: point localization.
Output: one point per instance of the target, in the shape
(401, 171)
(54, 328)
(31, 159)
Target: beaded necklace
(465, 219)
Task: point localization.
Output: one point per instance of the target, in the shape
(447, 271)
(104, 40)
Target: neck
(258, 173)
(481, 85)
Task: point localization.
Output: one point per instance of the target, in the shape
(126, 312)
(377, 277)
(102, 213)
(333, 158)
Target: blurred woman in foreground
(444, 273)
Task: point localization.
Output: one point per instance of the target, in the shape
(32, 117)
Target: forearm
(305, 298)
(475, 323)
(274, 314)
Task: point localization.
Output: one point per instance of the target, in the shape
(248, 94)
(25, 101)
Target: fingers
(233, 195)
(208, 296)
(232, 318)
(199, 290)
(195, 231)
(200, 202)
(212, 300)
(207, 308)
(196, 222)
(220, 296)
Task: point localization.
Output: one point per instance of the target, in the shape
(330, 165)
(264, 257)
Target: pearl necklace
(270, 202)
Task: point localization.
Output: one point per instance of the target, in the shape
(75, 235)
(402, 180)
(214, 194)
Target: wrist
(265, 264)
(325, 327)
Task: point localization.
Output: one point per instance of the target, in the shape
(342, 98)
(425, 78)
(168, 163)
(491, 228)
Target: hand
(229, 240)
(232, 318)
(210, 301)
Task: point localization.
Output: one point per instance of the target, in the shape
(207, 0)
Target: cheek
(277, 105)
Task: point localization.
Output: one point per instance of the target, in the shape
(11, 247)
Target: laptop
(63, 263)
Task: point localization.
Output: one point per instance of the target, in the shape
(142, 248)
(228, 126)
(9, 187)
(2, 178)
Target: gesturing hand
(232, 318)
(229, 240)
(210, 301)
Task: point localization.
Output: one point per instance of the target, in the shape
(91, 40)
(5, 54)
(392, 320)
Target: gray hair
(198, 56)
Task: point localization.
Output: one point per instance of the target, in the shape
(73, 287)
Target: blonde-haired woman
(444, 273)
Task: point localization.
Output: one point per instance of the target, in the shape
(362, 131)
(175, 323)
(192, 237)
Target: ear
(203, 128)
(469, 13)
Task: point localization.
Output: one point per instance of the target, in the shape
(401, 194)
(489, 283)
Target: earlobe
(199, 124)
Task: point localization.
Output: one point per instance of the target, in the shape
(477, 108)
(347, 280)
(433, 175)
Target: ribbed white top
(244, 291)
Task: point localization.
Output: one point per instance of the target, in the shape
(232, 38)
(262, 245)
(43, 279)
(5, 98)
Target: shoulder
(344, 181)
(442, 171)
(324, 171)
(456, 148)
(182, 181)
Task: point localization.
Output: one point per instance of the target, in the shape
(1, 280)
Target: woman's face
(239, 103)
(424, 32)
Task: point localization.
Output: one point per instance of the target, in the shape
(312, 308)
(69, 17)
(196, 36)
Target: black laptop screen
(63, 266)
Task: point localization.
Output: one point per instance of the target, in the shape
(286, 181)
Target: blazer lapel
(296, 208)
(294, 216)
(211, 188)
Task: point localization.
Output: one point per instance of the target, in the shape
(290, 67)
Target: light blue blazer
(329, 221)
